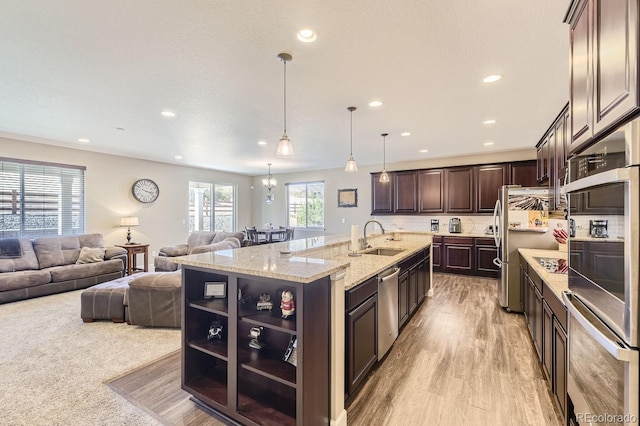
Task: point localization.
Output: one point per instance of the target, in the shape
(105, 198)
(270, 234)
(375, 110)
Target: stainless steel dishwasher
(387, 310)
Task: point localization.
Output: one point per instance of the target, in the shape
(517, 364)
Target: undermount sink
(383, 251)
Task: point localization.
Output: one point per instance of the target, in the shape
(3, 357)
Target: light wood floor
(461, 360)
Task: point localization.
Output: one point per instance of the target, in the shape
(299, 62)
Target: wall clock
(145, 190)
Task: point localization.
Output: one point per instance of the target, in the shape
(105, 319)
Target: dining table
(269, 234)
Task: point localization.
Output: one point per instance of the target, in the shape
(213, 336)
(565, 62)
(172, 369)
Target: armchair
(198, 242)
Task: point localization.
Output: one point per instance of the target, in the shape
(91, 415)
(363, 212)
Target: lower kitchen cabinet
(413, 289)
(436, 247)
(486, 251)
(547, 339)
(361, 332)
(403, 298)
(465, 255)
(458, 255)
(560, 365)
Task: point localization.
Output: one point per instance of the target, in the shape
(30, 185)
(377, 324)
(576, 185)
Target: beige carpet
(53, 367)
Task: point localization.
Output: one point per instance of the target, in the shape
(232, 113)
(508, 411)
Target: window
(305, 205)
(219, 217)
(39, 199)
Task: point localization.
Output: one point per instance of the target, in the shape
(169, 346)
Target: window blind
(39, 199)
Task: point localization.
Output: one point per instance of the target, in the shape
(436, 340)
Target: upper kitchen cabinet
(381, 195)
(542, 159)
(459, 189)
(431, 191)
(552, 158)
(523, 173)
(489, 179)
(405, 187)
(604, 66)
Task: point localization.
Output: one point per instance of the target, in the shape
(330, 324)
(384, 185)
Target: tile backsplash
(471, 224)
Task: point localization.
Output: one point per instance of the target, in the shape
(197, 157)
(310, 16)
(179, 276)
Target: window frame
(324, 204)
(212, 220)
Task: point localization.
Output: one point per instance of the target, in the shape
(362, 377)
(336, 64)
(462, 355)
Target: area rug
(53, 367)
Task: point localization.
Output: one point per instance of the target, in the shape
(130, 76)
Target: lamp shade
(129, 221)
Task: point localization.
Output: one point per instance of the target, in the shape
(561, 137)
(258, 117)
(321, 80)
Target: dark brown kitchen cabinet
(381, 195)
(542, 156)
(431, 191)
(486, 251)
(604, 80)
(489, 179)
(413, 289)
(552, 159)
(523, 173)
(459, 189)
(560, 365)
(405, 192)
(436, 248)
(458, 254)
(361, 332)
(537, 318)
(403, 298)
(547, 340)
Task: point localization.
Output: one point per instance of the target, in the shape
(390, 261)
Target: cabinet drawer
(137, 250)
(408, 263)
(533, 275)
(558, 308)
(486, 242)
(462, 241)
(360, 293)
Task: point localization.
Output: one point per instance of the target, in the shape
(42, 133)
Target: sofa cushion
(199, 238)
(157, 281)
(23, 279)
(84, 270)
(90, 255)
(163, 263)
(27, 261)
(226, 244)
(222, 235)
(56, 251)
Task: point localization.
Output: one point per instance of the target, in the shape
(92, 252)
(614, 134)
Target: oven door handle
(618, 352)
(610, 176)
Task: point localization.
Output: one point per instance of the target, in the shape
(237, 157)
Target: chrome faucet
(364, 241)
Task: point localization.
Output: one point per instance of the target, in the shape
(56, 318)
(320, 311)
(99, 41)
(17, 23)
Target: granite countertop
(556, 282)
(310, 258)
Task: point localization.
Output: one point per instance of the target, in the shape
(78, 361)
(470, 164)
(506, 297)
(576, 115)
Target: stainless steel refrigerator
(520, 220)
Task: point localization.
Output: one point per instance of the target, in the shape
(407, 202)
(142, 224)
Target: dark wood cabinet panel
(431, 191)
(403, 298)
(458, 256)
(560, 366)
(405, 191)
(459, 190)
(413, 290)
(381, 195)
(537, 316)
(484, 261)
(542, 153)
(362, 342)
(580, 70)
(523, 173)
(436, 247)
(489, 179)
(547, 340)
(615, 74)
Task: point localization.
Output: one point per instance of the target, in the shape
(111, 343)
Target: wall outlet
(184, 221)
(343, 220)
(153, 253)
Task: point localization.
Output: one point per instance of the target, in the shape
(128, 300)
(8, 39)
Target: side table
(132, 251)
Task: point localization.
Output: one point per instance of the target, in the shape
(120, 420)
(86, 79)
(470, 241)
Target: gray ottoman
(154, 299)
(105, 301)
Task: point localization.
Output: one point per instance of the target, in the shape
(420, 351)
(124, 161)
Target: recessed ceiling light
(424, 150)
(120, 128)
(491, 78)
(489, 122)
(375, 103)
(178, 157)
(84, 140)
(262, 143)
(405, 134)
(168, 113)
(488, 143)
(307, 36)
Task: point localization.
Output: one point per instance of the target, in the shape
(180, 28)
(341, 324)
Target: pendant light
(351, 166)
(384, 177)
(269, 183)
(285, 149)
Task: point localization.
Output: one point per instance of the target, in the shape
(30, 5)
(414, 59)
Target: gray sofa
(198, 242)
(49, 265)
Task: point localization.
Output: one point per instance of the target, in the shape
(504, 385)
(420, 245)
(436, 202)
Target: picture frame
(348, 197)
(215, 290)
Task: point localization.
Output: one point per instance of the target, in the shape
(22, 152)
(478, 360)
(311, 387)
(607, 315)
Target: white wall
(109, 179)
(335, 179)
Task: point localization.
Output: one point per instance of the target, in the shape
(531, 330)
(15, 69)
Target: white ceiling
(74, 69)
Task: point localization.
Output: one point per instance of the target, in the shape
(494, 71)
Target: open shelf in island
(214, 347)
(267, 362)
(215, 306)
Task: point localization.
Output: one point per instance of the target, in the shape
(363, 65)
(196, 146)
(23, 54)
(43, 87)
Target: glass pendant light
(351, 166)
(384, 177)
(285, 149)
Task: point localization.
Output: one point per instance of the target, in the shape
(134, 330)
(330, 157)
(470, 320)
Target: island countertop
(306, 260)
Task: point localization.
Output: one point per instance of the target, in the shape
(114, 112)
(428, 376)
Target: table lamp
(129, 222)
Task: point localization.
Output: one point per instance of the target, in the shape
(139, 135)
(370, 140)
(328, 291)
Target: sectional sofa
(48, 265)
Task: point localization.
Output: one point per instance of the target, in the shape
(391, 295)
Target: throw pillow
(91, 255)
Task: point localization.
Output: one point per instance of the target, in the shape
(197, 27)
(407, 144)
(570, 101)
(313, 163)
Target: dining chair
(278, 237)
(289, 235)
(253, 236)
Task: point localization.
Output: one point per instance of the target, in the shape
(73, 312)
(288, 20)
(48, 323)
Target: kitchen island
(317, 272)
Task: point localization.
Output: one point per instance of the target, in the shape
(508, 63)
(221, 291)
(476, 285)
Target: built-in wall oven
(602, 300)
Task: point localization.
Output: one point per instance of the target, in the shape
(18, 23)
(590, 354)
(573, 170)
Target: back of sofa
(199, 238)
(58, 251)
(27, 261)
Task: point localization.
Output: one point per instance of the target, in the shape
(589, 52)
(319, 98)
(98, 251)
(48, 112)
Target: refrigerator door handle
(496, 221)
(498, 262)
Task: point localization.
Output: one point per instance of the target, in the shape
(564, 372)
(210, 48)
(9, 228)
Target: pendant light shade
(384, 177)
(285, 149)
(351, 166)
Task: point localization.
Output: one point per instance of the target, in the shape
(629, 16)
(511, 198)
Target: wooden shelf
(269, 319)
(268, 363)
(215, 347)
(212, 385)
(215, 306)
(263, 412)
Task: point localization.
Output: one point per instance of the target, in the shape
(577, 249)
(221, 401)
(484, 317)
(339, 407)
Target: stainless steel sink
(383, 251)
